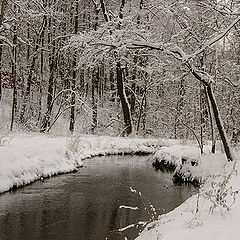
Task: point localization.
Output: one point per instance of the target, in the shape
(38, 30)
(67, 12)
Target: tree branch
(215, 39)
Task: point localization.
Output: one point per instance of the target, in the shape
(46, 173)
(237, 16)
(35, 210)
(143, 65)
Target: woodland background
(71, 66)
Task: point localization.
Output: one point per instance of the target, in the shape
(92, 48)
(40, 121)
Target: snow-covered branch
(215, 39)
(223, 9)
(4, 39)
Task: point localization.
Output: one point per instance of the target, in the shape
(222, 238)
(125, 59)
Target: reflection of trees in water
(90, 217)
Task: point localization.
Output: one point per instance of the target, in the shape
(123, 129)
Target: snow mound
(189, 164)
(27, 158)
(174, 154)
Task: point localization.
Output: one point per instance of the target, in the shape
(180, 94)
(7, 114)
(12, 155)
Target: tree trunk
(52, 65)
(219, 123)
(112, 85)
(222, 133)
(201, 103)
(120, 85)
(31, 70)
(74, 76)
(95, 77)
(144, 115)
(14, 77)
(1, 49)
(105, 14)
(141, 111)
(213, 137)
(41, 82)
(133, 85)
(73, 100)
(2, 11)
(96, 72)
(125, 106)
(47, 116)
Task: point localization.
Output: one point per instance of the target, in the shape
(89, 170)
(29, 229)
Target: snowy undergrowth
(211, 214)
(25, 158)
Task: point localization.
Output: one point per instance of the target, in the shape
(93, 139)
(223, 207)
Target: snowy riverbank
(189, 165)
(213, 213)
(25, 158)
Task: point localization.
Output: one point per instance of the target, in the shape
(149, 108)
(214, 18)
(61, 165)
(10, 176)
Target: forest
(86, 86)
(121, 67)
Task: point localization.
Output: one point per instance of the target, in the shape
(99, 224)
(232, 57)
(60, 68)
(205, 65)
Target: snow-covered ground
(189, 163)
(211, 214)
(25, 158)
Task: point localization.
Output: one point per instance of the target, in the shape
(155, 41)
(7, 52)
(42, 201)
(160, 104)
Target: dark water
(85, 205)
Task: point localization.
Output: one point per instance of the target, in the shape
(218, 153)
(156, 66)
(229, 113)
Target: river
(85, 205)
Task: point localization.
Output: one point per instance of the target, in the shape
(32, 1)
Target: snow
(186, 223)
(211, 214)
(183, 223)
(25, 158)
(197, 166)
(128, 207)
(174, 154)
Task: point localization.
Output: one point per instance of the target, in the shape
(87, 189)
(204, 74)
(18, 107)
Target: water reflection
(85, 205)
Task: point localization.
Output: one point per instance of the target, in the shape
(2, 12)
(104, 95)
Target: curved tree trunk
(120, 86)
(124, 101)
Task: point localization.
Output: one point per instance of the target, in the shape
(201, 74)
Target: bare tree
(1, 42)
(74, 72)
(14, 76)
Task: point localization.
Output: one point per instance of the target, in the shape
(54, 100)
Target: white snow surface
(211, 214)
(26, 157)
(207, 164)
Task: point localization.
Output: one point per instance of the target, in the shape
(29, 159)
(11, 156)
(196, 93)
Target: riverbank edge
(188, 165)
(213, 210)
(42, 178)
(179, 176)
(26, 158)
